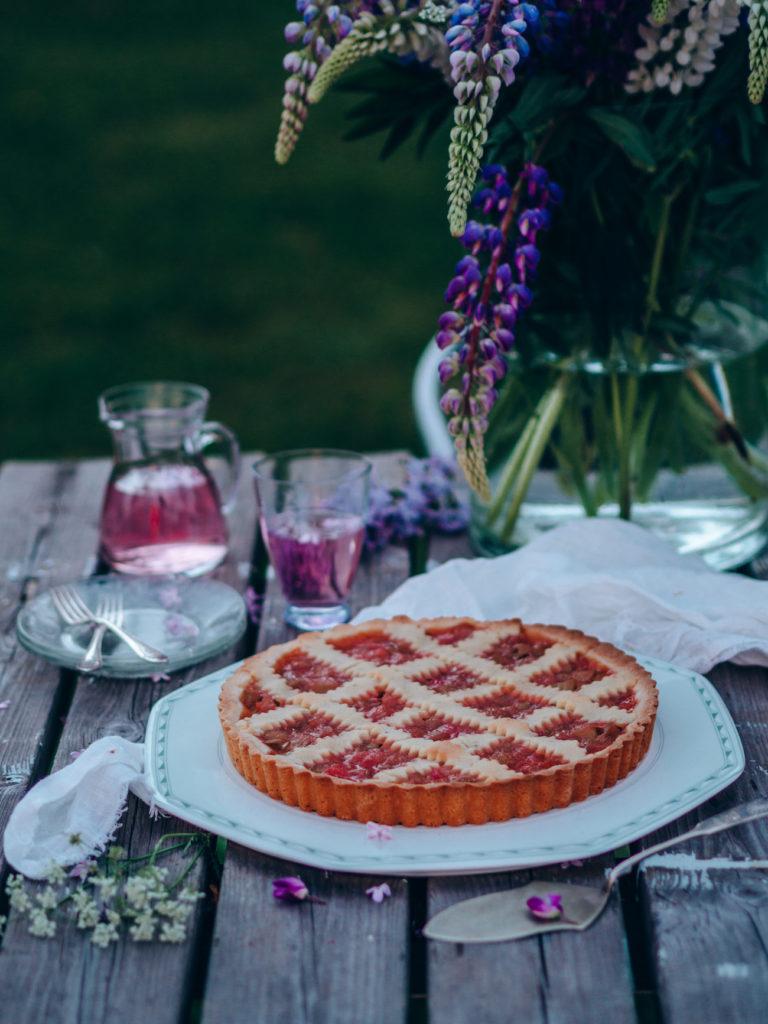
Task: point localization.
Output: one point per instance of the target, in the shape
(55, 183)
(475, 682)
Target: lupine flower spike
(758, 50)
(659, 10)
(480, 329)
(486, 42)
(322, 25)
(400, 28)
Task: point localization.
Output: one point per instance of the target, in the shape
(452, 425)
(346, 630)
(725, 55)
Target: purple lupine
(487, 42)
(479, 330)
(486, 38)
(601, 37)
(428, 501)
(322, 25)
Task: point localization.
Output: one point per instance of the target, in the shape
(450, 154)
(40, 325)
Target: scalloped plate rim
(270, 826)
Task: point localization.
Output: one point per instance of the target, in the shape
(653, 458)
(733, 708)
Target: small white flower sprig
(114, 894)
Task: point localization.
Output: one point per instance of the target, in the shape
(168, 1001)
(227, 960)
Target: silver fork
(108, 606)
(75, 612)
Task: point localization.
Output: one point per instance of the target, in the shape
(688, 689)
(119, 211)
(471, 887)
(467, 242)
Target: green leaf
(725, 193)
(220, 850)
(543, 97)
(633, 139)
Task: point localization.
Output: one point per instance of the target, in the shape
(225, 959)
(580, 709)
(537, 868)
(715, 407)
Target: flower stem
(513, 465)
(652, 295)
(544, 420)
(623, 419)
(418, 553)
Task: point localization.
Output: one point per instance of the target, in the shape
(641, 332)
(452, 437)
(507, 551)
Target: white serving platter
(695, 753)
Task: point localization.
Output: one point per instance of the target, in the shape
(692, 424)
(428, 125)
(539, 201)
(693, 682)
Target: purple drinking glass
(312, 508)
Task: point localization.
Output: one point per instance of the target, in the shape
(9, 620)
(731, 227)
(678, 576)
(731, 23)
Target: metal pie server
(502, 916)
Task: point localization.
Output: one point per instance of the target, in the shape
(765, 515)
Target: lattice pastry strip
(437, 721)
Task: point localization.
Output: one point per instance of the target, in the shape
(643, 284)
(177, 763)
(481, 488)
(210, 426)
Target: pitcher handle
(211, 432)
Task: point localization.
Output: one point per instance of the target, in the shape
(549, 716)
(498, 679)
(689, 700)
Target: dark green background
(145, 232)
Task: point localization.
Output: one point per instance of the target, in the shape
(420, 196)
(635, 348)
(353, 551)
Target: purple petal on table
(546, 908)
(82, 869)
(290, 888)
(253, 603)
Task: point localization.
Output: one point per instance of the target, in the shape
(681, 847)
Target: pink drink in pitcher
(315, 554)
(162, 519)
(162, 511)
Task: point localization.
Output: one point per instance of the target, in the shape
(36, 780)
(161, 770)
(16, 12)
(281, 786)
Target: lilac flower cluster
(429, 501)
(486, 42)
(322, 25)
(487, 304)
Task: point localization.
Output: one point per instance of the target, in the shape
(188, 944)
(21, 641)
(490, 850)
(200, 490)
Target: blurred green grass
(145, 233)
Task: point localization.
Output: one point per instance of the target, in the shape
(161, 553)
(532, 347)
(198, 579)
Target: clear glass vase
(677, 444)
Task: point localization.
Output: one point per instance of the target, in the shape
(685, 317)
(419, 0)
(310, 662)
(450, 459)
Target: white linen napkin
(73, 813)
(609, 578)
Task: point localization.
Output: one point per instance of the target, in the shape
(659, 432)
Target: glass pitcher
(162, 510)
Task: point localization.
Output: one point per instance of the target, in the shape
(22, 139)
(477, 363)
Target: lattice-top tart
(438, 721)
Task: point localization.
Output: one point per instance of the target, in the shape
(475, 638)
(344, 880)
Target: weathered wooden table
(675, 945)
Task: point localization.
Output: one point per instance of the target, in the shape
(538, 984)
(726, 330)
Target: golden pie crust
(445, 721)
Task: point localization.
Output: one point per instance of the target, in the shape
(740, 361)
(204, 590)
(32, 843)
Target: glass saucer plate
(189, 620)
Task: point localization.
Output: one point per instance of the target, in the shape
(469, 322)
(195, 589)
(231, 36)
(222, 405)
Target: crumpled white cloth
(609, 578)
(73, 813)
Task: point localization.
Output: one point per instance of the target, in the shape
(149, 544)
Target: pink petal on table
(379, 833)
(379, 893)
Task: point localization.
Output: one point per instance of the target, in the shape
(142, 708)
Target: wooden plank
(67, 979)
(548, 979)
(343, 962)
(48, 536)
(708, 930)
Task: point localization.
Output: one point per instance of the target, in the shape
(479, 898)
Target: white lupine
(476, 100)
(681, 52)
(401, 33)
